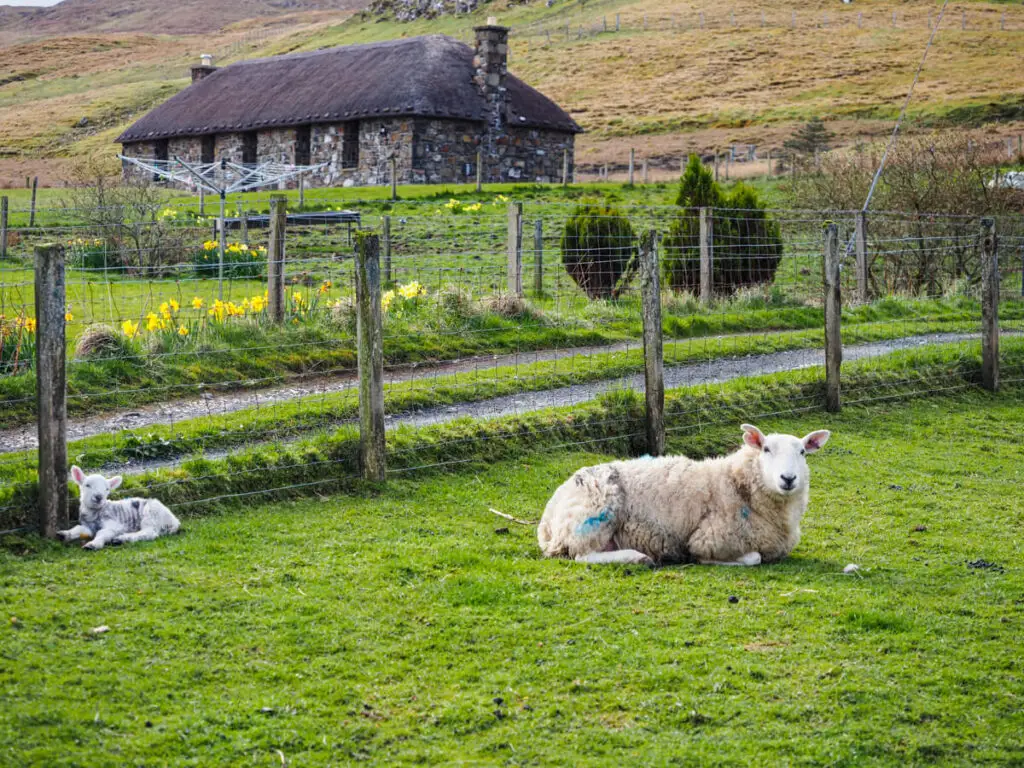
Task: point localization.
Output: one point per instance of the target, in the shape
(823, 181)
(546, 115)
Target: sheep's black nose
(97, 499)
(788, 480)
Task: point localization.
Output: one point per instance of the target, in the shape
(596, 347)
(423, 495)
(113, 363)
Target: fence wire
(507, 328)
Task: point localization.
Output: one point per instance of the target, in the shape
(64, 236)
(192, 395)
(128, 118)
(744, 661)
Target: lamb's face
(782, 459)
(94, 490)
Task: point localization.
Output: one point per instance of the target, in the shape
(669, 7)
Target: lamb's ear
(77, 475)
(752, 436)
(114, 481)
(815, 440)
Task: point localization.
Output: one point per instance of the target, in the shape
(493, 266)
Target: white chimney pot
(492, 21)
(206, 59)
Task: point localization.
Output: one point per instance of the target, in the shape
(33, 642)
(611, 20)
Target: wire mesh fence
(505, 327)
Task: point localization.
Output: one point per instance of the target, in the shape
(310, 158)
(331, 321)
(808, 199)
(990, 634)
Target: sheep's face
(783, 458)
(94, 490)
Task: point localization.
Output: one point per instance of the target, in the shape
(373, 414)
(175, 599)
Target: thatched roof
(429, 76)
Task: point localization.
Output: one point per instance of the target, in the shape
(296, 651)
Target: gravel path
(710, 372)
(221, 400)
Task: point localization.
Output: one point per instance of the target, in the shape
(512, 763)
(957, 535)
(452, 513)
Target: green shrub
(598, 250)
(747, 242)
(92, 254)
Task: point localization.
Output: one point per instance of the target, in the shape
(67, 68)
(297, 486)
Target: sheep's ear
(815, 440)
(77, 474)
(752, 436)
(114, 481)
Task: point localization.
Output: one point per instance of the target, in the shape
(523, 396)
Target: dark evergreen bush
(598, 250)
(747, 242)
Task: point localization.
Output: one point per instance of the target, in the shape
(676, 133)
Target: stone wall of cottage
(427, 151)
(143, 150)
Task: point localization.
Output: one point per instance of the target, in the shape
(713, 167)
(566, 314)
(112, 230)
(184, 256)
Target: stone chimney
(203, 68)
(490, 64)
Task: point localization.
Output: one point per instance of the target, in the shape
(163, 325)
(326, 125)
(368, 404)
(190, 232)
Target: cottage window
(303, 134)
(160, 151)
(208, 149)
(249, 148)
(350, 145)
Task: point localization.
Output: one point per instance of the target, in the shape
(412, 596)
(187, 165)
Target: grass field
(402, 626)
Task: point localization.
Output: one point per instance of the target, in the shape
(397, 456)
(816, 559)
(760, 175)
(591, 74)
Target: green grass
(397, 626)
(291, 419)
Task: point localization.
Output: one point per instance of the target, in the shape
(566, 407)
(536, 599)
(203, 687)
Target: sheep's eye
(802, 451)
(766, 449)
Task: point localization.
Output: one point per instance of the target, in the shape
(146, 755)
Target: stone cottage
(429, 102)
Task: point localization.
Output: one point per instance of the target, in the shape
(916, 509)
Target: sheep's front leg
(78, 532)
(751, 558)
(146, 534)
(103, 537)
(626, 556)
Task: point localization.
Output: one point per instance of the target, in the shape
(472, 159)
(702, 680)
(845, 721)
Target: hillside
(676, 76)
(182, 17)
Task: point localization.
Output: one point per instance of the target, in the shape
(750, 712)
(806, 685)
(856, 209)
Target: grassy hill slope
(675, 77)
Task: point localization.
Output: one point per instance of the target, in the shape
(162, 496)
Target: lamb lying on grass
(115, 522)
(741, 509)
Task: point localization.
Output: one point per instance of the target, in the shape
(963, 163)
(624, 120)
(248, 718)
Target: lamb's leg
(78, 532)
(626, 556)
(751, 558)
(103, 537)
(146, 534)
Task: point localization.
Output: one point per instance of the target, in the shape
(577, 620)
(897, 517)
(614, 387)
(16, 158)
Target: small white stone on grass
(851, 568)
(100, 630)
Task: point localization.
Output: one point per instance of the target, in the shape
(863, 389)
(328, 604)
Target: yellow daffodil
(386, 300)
(412, 290)
(152, 322)
(68, 317)
(129, 328)
(197, 303)
(182, 330)
(175, 306)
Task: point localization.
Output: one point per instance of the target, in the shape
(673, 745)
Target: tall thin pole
(221, 247)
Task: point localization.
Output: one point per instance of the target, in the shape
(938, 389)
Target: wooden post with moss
(538, 258)
(243, 223)
(565, 167)
(861, 242)
(3, 226)
(707, 255)
(32, 208)
(515, 249)
(275, 258)
(386, 227)
(632, 164)
(51, 389)
(654, 371)
(989, 306)
(370, 344)
(833, 311)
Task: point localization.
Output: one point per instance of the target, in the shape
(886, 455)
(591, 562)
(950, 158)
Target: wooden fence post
(632, 163)
(654, 373)
(707, 250)
(275, 258)
(565, 167)
(833, 310)
(394, 178)
(768, 173)
(51, 389)
(538, 258)
(861, 241)
(515, 249)
(479, 171)
(302, 192)
(370, 341)
(645, 171)
(3, 227)
(989, 306)
(32, 209)
(202, 201)
(243, 223)
(716, 165)
(387, 248)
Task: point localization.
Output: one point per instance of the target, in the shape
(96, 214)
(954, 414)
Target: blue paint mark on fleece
(744, 512)
(591, 524)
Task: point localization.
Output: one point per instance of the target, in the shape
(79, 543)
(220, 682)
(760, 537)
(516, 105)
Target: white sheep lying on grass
(103, 521)
(741, 509)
